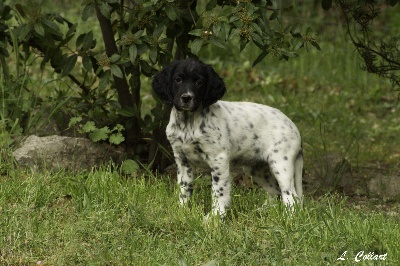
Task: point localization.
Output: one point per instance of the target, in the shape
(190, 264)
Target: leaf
(315, 44)
(257, 39)
(87, 11)
(89, 127)
(274, 15)
(116, 138)
(211, 4)
(20, 10)
(116, 71)
(114, 58)
(129, 166)
(22, 32)
(68, 65)
(216, 28)
(169, 9)
(217, 41)
(126, 112)
(146, 68)
(298, 44)
(242, 44)
(326, 4)
(196, 32)
(99, 134)
(87, 41)
(74, 120)
(158, 31)
(256, 28)
(71, 31)
(138, 34)
(260, 58)
(104, 81)
(51, 27)
(153, 54)
(132, 53)
(105, 10)
(39, 28)
(196, 45)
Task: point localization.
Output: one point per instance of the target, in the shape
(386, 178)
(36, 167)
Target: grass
(99, 218)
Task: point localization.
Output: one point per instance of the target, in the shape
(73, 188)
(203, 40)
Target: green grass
(99, 218)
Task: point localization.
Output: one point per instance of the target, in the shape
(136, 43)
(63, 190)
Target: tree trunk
(125, 98)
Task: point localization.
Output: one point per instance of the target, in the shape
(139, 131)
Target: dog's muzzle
(186, 102)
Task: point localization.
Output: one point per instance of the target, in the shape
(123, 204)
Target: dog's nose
(186, 97)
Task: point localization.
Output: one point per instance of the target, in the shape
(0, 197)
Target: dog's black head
(188, 85)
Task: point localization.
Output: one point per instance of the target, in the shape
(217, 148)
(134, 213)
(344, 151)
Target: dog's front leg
(221, 184)
(185, 178)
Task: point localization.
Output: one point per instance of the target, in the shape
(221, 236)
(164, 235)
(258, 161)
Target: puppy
(219, 135)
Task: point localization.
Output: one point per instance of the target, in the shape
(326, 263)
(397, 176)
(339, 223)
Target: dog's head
(188, 85)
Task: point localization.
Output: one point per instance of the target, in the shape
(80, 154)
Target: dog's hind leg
(298, 175)
(262, 176)
(283, 169)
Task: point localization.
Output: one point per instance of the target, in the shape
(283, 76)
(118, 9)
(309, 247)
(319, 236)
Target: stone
(328, 172)
(385, 187)
(59, 152)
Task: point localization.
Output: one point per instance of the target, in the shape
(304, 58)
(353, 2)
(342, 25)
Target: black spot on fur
(202, 127)
(198, 149)
(300, 154)
(285, 158)
(185, 161)
(216, 178)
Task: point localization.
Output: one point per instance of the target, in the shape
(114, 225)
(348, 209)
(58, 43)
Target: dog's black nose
(186, 97)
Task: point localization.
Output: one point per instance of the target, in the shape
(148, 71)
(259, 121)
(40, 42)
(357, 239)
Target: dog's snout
(186, 97)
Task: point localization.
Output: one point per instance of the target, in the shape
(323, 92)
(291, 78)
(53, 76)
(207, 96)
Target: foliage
(114, 136)
(381, 55)
(22, 111)
(138, 36)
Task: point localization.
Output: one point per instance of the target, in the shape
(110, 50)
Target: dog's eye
(178, 80)
(199, 82)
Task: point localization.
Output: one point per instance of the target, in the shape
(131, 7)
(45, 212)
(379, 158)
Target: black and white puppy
(206, 132)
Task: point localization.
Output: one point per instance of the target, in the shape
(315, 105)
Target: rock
(385, 187)
(58, 152)
(329, 172)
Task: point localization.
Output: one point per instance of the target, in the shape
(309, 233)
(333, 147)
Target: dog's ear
(162, 84)
(216, 87)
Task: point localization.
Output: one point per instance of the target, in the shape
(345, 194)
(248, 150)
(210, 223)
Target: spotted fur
(206, 132)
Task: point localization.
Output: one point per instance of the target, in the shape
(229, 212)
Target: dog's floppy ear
(162, 84)
(216, 87)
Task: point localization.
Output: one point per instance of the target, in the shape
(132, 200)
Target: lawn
(104, 217)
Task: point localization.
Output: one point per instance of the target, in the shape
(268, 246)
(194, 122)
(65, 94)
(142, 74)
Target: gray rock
(58, 152)
(327, 172)
(385, 187)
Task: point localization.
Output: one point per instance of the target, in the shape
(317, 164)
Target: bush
(138, 36)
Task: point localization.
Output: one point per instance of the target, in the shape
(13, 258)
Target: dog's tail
(298, 175)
